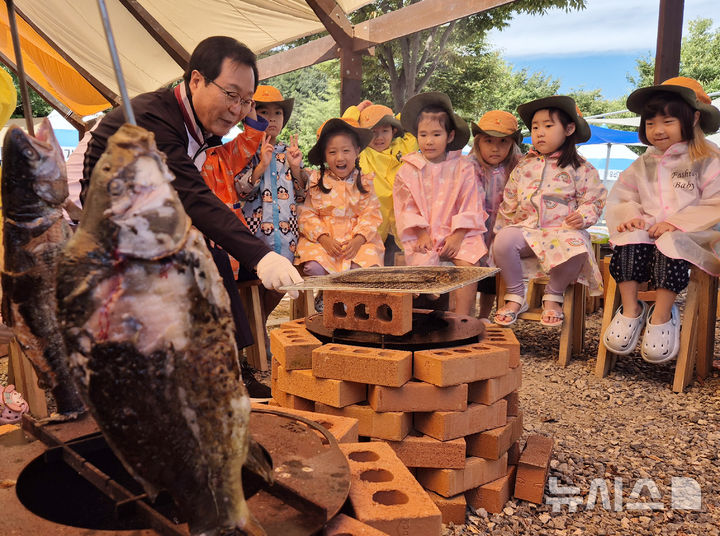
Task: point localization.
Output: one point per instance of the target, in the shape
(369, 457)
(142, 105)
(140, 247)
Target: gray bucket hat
(414, 106)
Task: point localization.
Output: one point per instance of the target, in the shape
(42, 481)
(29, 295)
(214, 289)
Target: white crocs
(661, 342)
(622, 335)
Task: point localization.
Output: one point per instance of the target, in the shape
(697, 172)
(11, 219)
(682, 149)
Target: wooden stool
(697, 337)
(250, 295)
(572, 332)
(302, 306)
(22, 375)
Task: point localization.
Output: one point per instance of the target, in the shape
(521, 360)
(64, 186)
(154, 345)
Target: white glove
(276, 271)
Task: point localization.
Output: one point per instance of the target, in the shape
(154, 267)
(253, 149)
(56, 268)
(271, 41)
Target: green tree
(407, 65)
(40, 108)
(699, 57)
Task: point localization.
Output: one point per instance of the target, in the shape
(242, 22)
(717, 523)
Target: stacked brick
(450, 415)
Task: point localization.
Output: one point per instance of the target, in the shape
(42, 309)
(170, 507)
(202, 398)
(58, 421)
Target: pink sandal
(12, 405)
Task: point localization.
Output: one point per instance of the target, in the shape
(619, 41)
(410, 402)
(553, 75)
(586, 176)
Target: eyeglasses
(232, 97)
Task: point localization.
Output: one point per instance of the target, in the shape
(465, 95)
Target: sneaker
(319, 305)
(257, 391)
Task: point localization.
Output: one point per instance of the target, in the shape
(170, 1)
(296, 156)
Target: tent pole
(27, 107)
(607, 162)
(127, 107)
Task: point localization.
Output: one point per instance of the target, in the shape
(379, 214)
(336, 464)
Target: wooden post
(22, 375)
(350, 78)
(669, 40)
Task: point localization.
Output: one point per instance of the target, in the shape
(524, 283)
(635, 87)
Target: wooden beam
(372, 32)
(72, 118)
(105, 91)
(669, 40)
(334, 19)
(417, 17)
(316, 51)
(156, 30)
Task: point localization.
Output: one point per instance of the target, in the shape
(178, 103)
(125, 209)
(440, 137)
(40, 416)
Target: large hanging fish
(150, 338)
(34, 188)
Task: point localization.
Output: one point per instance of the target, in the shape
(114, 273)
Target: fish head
(33, 170)
(131, 188)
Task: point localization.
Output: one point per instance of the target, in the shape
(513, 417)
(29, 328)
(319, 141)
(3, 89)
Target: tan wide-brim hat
(331, 126)
(689, 90)
(566, 104)
(498, 124)
(412, 108)
(272, 95)
(377, 115)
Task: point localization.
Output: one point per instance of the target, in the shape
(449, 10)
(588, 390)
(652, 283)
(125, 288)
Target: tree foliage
(40, 108)
(699, 57)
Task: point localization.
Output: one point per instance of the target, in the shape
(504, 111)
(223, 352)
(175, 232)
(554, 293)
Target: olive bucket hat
(272, 95)
(415, 105)
(566, 104)
(686, 88)
(377, 115)
(498, 124)
(331, 126)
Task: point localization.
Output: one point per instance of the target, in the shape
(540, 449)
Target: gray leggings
(509, 247)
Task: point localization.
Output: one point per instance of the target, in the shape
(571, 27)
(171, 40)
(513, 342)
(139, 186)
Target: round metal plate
(431, 329)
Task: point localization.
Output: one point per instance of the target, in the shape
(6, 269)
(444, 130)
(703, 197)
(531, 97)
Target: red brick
(513, 400)
(385, 495)
(335, 393)
(460, 364)
(532, 468)
(297, 323)
(514, 453)
(418, 450)
(493, 389)
(504, 338)
(360, 364)
(377, 312)
(494, 495)
(451, 509)
(494, 443)
(342, 525)
(418, 396)
(292, 347)
(391, 425)
(345, 429)
(450, 482)
(445, 425)
(288, 401)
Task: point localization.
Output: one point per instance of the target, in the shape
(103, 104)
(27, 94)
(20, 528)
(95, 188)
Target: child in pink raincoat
(438, 201)
(662, 214)
(340, 218)
(552, 196)
(495, 154)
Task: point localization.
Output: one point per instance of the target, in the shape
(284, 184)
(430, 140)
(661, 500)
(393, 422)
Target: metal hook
(127, 107)
(27, 106)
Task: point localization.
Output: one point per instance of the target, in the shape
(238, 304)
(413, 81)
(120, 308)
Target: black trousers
(644, 262)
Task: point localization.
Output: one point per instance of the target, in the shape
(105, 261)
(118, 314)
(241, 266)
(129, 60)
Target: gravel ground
(623, 430)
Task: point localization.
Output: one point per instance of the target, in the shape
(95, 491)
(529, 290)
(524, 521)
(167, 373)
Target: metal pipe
(127, 107)
(27, 106)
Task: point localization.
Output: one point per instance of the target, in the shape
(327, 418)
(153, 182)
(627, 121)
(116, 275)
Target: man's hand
(631, 225)
(276, 271)
(659, 229)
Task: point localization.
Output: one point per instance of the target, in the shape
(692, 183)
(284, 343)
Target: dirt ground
(627, 441)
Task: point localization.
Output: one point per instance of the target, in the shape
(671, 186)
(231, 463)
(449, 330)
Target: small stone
(544, 518)
(508, 511)
(625, 523)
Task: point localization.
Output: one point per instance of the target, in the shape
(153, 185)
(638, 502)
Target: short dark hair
(208, 56)
(670, 104)
(436, 112)
(569, 155)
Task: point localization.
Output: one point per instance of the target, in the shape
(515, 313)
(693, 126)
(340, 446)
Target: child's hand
(364, 104)
(631, 225)
(659, 229)
(424, 242)
(332, 246)
(294, 155)
(351, 248)
(574, 220)
(266, 151)
(451, 247)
